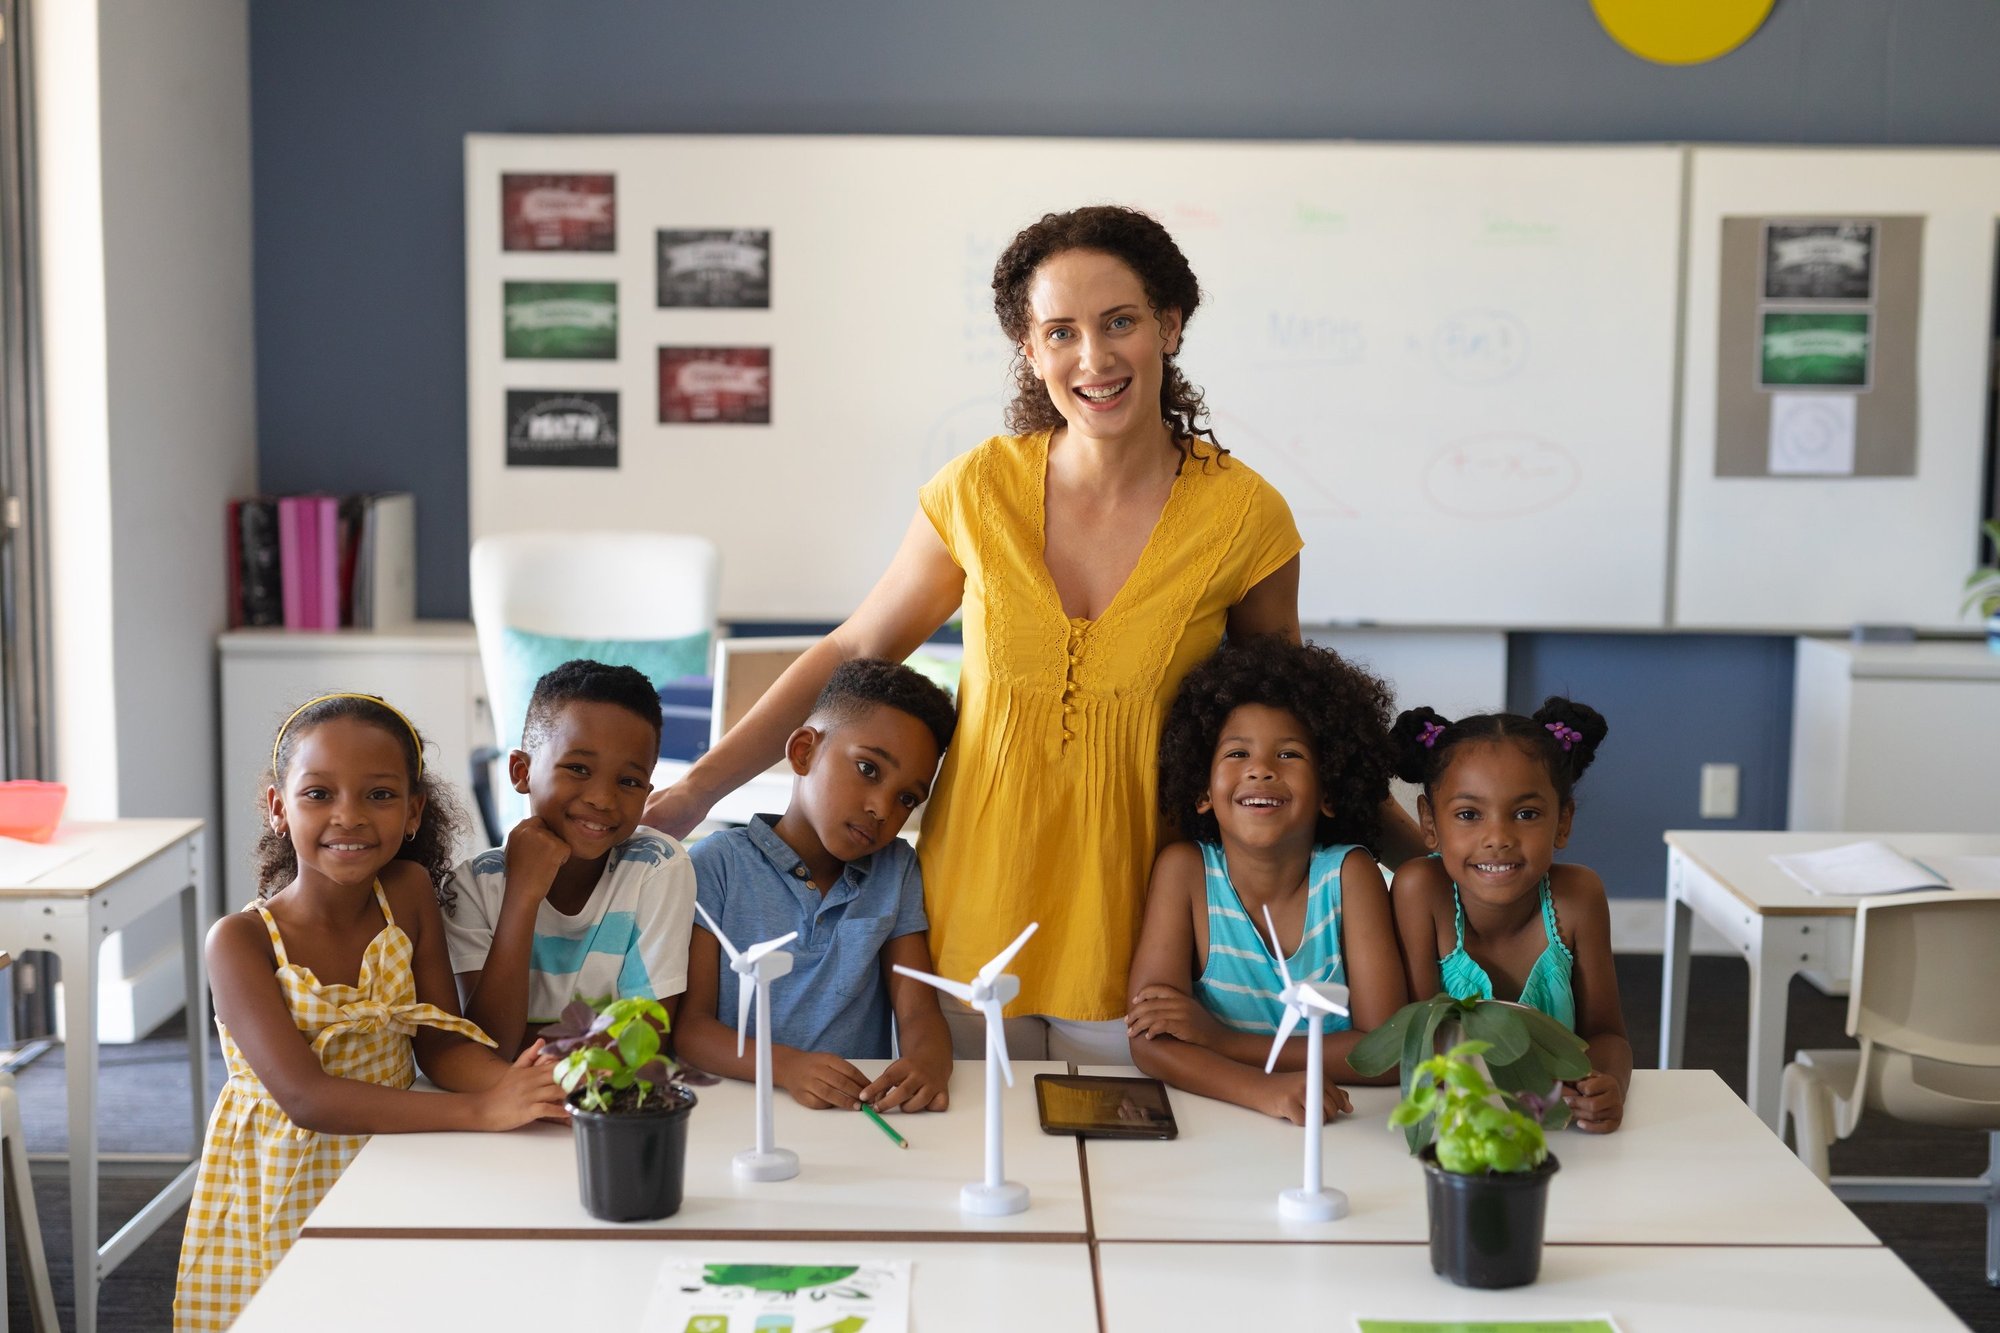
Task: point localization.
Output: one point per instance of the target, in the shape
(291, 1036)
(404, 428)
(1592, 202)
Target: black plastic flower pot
(630, 1165)
(1486, 1230)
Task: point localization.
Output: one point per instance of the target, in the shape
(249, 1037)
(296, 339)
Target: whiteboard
(1812, 553)
(1456, 362)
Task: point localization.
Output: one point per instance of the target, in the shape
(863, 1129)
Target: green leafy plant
(1526, 1053)
(1982, 585)
(1478, 1127)
(612, 1058)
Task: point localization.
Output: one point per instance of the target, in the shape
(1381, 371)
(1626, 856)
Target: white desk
(852, 1181)
(337, 1286)
(130, 867)
(1690, 1166)
(1647, 1289)
(1728, 880)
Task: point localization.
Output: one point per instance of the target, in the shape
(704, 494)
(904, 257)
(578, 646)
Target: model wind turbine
(1312, 1001)
(989, 992)
(756, 968)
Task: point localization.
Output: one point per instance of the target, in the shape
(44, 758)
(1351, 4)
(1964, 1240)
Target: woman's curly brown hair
(1344, 710)
(437, 833)
(1149, 251)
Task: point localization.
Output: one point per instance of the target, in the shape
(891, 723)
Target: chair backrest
(585, 585)
(1925, 979)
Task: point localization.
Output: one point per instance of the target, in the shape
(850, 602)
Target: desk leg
(194, 965)
(1674, 981)
(1770, 983)
(77, 949)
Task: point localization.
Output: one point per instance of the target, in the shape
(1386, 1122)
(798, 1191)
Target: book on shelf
(322, 562)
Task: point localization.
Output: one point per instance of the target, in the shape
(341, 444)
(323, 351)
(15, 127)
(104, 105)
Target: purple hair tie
(1428, 737)
(1569, 736)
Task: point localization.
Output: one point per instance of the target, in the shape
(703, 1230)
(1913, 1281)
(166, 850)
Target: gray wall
(359, 110)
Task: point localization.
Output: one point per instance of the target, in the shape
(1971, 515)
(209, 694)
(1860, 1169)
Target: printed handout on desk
(1858, 869)
(1602, 1323)
(692, 1296)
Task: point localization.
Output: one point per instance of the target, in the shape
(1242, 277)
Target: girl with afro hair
(1275, 759)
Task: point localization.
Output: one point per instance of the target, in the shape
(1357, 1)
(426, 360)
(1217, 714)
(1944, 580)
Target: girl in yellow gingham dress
(342, 1057)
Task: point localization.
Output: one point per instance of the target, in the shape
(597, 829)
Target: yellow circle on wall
(1681, 32)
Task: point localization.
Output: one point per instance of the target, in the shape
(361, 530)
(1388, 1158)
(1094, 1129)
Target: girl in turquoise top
(1488, 913)
(1275, 758)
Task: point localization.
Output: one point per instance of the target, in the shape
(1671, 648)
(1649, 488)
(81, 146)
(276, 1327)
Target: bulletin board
(1456, 362)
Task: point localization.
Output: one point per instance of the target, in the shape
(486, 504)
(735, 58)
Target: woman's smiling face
(1097, 345)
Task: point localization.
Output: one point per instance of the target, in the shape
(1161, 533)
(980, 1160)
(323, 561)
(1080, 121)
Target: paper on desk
(691, 1296)
(1857, 869)
(22, 863)
(1591, 1323)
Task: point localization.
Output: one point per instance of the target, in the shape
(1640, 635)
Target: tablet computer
(1099, 1107)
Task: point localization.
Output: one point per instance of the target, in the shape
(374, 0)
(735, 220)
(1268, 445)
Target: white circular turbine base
(777, 1164)
(1320, 1206)
(993, 1200)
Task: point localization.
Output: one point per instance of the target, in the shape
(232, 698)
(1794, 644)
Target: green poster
(1598, 1325)
(1818, 349)
(562, 321)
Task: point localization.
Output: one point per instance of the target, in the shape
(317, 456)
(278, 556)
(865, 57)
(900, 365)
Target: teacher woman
(1099, 554)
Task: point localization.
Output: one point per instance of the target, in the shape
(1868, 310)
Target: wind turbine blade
(996, 1040)
(999, 962)
(756, 951)
(1277, 949)
(716, 931)
(1326, 996)
(746, 991)
(957, 988)
(1285, 1029)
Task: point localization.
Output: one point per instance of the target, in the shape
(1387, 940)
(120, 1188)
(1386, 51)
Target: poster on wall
(714, 385)
(558, 212)
(1819, 261)
(715, 268)
(561, 428)
(1815, 348)
(561, 321)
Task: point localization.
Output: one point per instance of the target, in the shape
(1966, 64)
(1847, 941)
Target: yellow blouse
(1045, 808)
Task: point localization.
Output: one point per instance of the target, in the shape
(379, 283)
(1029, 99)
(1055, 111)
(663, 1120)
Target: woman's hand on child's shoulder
(1285, 1097)
(1162, 1011)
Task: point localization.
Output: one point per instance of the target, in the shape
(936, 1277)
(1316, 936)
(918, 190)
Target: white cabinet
(429, 670)
(1895, 738)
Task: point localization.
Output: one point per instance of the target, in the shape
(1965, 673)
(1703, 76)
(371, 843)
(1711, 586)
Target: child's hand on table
(527, 1091)
(1162, 1011)
(1596, 1103)
(910, 1084)
(1285, 1098)
(818, 1081)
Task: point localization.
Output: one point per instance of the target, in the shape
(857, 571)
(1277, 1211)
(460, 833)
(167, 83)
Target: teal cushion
(526, 657)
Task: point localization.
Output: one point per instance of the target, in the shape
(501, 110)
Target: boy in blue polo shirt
(832, 868)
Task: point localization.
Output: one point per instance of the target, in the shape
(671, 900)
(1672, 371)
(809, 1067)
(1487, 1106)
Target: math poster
(720, 269)
(558, 428)
(561, 321)
(550, 212)
(691, 1296)
(715, 385)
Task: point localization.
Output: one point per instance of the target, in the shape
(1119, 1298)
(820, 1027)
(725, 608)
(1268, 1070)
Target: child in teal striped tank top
(1489, 913)
(1275, 759)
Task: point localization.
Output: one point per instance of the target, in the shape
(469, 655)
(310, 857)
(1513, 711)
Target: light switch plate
(1719, 783)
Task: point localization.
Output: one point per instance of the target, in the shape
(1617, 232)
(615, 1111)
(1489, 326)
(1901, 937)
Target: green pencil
(876, 1116)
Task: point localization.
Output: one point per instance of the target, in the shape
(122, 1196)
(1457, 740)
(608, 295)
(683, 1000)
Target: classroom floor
(143, 1112)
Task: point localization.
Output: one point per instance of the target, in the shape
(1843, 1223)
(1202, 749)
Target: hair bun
(1582, 727)
(1411, 739)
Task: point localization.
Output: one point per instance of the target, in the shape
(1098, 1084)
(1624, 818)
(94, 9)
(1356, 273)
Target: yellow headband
(415, 740)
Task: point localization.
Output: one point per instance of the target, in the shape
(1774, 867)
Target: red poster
(558, 212)
(715, 384)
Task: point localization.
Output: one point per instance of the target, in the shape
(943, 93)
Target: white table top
(1691, 1165)
(111, 847)
(852, 1179)
(1646, 1289)
(337, 1286)
(1741, 862)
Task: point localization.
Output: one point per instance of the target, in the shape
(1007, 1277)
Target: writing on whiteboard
(1497, 228)
(1480, 346)
(1319, 218)
(1501, 475)
(1317, 338)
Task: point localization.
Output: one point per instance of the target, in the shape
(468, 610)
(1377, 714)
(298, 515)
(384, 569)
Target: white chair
(1925, 1006)
(596, 585)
